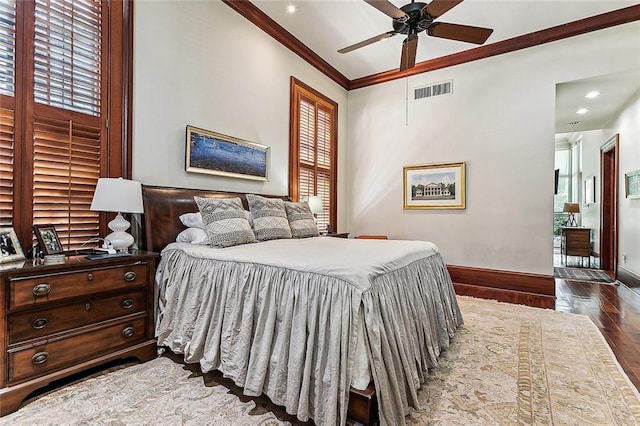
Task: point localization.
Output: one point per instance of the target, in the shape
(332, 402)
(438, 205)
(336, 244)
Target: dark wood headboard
(164, 205)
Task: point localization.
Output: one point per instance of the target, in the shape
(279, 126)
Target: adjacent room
(319, 212)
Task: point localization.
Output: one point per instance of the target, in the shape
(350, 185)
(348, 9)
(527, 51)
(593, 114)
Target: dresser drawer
(24, 292)
(50, 356)
(37, 323)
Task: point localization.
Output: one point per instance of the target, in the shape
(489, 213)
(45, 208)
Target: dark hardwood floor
(614, 309)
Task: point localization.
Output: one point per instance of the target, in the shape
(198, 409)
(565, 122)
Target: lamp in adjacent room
(572, 209)
(120, 196)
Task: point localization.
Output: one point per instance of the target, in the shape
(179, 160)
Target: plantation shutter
(66, 167)
(67, 54)
(6, 166)
(67, 124)
(7, 113)
(313, 150)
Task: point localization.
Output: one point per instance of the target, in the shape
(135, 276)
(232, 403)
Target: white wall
(628, 127)
(500, 121)
(202, 64)
(590, 214)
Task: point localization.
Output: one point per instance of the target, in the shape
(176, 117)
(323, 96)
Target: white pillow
(192, 220)
(193, 236)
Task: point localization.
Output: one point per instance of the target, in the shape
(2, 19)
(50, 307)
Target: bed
(292, 318)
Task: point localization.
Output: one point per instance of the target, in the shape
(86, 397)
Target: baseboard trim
(626, 277)
(520, 282)
(508, 296)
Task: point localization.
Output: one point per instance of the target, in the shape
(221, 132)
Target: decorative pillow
(269, 218)
(225, 221)
(192, 220)
(301, 220)
(193, 236)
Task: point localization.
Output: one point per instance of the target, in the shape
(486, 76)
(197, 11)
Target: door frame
(609, 154)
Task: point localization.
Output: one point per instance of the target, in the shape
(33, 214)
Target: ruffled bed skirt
(292, 335)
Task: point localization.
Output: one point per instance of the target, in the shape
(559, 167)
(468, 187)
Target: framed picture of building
(434, 186)
(10, 249)
(217, 154)
(632, 184)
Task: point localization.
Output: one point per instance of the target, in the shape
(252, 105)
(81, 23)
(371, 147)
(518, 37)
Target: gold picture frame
(434, 186)
(10, 248)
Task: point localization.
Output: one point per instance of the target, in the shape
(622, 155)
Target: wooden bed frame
(161, 226)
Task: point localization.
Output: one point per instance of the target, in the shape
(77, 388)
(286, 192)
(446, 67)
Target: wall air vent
(432, 90)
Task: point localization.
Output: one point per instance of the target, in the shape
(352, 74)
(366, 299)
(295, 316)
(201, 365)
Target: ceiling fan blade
(387, 8)
(367, 42)
(409, 47)
(439, 7)
(477, 35)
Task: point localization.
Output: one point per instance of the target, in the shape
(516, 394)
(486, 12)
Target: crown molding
(275, 30)
(572, 29)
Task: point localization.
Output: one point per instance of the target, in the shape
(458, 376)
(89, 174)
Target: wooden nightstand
(576, 242)
(58, 320)
(338, 235)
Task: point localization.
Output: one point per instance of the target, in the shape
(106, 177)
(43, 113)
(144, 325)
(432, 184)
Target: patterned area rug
(580, 274)
(507, 365)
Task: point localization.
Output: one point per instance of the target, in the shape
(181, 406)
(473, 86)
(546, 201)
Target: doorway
(608, 206)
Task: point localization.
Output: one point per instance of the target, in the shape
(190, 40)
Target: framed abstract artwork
(217, 154)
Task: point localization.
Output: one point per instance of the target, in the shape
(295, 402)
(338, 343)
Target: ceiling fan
(415, 17)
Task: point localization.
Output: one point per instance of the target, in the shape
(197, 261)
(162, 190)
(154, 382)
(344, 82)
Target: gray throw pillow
(301, 220)
(269, 218)
(225, 221)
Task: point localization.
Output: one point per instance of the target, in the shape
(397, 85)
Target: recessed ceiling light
(582, 111)
(593, 94)
(291, 8)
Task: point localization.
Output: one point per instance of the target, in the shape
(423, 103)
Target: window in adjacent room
(57, 96)
(313, 150)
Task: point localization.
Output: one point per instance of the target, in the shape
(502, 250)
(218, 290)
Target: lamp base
(572, 220)
(119, 239)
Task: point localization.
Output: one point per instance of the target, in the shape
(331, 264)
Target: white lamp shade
(315, 203)
(117, 195)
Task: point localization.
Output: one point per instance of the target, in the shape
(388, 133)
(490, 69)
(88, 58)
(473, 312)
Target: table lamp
(315, 203)
(120, 196)
(572, 209)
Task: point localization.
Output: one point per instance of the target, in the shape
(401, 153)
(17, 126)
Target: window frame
(299, 89)
(116, 149)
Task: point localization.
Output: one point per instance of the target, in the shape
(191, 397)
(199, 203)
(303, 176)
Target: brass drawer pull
(40, 358)
(39, 323)
(128, 332)
(41, 290)
(127, 303)
(129, 276)
(90, 276)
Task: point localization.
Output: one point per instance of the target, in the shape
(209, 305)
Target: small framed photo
(10, 249)
(632, 184)
(434, 186)
(47, 239)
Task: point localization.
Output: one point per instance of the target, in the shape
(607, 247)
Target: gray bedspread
(280, 318)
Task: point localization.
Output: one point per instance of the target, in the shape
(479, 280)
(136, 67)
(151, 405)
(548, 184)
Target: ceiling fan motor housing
(417, 19)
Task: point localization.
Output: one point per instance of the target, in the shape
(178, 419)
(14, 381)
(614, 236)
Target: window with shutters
(59, 89)
(313, 150)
